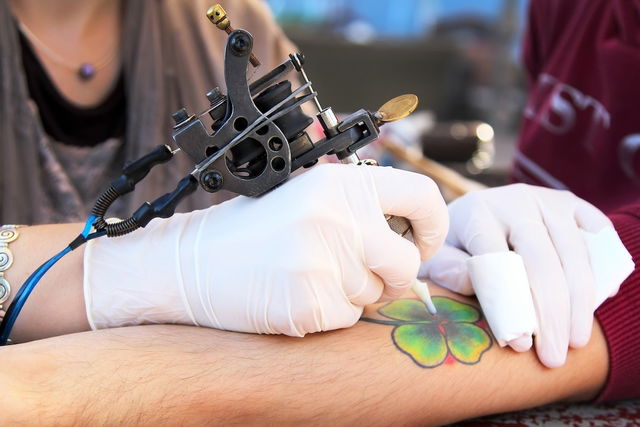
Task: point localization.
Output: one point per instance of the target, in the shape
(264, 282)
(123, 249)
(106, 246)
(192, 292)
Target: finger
(521, 344)
(474, 228)
(302, 304)
(325, 307)
(362, 287)
(448, 268)
(590, 218)
(417, 198)
(394, 259)
(497, 276)
(574, 258)
(548, 289)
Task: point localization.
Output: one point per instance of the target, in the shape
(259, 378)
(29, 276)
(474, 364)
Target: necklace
(85, 71)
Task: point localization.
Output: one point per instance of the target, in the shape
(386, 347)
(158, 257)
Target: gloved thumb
(448, 268)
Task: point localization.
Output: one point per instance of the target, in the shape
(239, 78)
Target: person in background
(86, 85)
(580, 139)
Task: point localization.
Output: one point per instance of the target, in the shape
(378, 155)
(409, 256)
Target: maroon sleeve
(531, 55)
(541, 33)
(619, 317)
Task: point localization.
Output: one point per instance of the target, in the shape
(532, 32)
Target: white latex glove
(303, 258)
(568, 271)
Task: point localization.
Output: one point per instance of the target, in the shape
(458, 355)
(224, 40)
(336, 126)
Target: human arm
(569, 255)
(56, 306)
(168, 374)
(303, 258)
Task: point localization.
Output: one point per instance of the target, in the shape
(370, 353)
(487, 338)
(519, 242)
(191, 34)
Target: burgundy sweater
(581, 132)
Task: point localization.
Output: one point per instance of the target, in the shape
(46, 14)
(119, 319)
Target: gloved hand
(550, 230)
(303, 258)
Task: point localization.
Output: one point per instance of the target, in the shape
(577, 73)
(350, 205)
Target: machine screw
(298, 60)
(180, 116)
(214, 95)
(240, 43)
(212, 181)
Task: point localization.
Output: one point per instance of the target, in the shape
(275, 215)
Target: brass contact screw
(396, 108)
(218, 17)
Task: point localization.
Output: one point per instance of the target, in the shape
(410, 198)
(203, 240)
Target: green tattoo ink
(454, 333)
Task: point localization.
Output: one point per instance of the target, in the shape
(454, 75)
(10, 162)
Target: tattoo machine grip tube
(402, 226)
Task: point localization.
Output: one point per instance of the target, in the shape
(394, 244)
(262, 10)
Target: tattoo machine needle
(421, 289)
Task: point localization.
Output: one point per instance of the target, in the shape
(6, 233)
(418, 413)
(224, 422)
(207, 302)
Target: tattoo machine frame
(258, 136)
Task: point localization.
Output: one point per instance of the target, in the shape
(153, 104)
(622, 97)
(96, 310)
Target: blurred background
(461, 57)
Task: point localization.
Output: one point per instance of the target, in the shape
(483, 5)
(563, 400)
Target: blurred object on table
(470, 143)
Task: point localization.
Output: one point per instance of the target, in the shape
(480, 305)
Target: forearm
(169, 374)
(56, 306)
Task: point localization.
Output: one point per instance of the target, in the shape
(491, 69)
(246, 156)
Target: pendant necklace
(85, 71)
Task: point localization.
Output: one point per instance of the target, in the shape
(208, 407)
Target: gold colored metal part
(218, 17)
(397, 108)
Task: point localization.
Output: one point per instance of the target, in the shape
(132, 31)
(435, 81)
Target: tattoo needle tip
(421, 289)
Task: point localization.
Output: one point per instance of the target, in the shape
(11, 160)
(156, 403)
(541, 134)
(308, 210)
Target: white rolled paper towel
(504, 294)
(611, 263)
(501, 284)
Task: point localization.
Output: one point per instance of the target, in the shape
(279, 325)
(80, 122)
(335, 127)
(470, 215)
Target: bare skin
(59, 292)
(158, 375)
(78, 31)
(179, 374)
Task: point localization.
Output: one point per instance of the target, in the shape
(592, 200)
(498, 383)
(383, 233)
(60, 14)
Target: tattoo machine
(256, 141)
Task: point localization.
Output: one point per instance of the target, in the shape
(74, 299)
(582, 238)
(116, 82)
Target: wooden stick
(454, 182)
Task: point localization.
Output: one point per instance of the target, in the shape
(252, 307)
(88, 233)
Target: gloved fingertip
(448, 268)
(455, 281)
(521, 344)
(580, 338)
(552, 358)
(614, 292)
(579, 342)
(581, 328)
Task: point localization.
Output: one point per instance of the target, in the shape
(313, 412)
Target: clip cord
(132, 173)
(30, 284)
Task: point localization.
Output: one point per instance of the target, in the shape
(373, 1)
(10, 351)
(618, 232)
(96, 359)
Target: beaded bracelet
(8, 233)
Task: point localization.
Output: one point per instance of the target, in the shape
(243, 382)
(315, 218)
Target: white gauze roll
(611, 263)
(508, 309)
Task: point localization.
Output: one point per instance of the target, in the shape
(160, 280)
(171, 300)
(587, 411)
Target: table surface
(626, 413)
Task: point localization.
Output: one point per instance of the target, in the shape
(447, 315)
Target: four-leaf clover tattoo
(428, 339)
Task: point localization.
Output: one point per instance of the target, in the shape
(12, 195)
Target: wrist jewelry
(8, 233)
